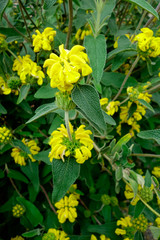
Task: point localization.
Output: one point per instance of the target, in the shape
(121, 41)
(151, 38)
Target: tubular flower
(156, 172)
(20, 156)
(4, 87)
(102, 237)
(43, 40)
(5, 134)
(126, 229)
(28, 70)
(80, 146)
(111, 107)
(57, 235)
(80, 34)
(18, 210)
(68, 68)
(17, 238)
(66, 208)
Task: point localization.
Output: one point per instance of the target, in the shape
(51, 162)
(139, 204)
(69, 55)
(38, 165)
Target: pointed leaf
(122, 141)
(45, 92)
(3, 7)
(23, 93)
(2, 110)
(150, 134)
(146, 104)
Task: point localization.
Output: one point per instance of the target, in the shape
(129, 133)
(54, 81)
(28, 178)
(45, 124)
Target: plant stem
(153, 88)
(125, 100)
(126, 78)
(48, 200)
(151, 19)
(70, 22)
(13, 54)
(145, 155)
(124, 14)
(149, 207)
(67, 125)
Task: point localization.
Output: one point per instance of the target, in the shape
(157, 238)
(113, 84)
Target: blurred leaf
(138, 236)
(45, 92)
(107, 229)
(155, 231)
(23, 93)
(43, 156)
(2, 110)
(146, 104)
(97, 57)
(148, 179)
(108, 119)
(21, 145)
(138, 209)
(106, 212)
(48, 4)
(43, 110)
(3, 7)
(32, 233)
(32, 212)
(17, 175)
(86, 98)
(122, 141)
(150, 134)
(145, 5)
(119, 173)
(64, 175)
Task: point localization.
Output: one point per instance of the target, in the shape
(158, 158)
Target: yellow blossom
(28, 70)
(156, 172)
(60, 235)
(20, 156)
(18, 210)
(111, 107)
(68, 68)
(144, 39)
(103, 101)
(17, 238)
(102, 237)
(43, 40)
(66, 208)
(80, 146)
(3, 87)
(80, 34)
(157, 221)
(5, 134)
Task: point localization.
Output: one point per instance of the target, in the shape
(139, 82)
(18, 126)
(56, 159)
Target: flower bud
(146, 194)
(106, 200)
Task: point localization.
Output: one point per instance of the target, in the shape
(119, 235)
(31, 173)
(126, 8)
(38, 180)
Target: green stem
(13, 55)
(149, 207)
(125, 100)
(145, 155)
(67, 125)
(70, 22)
(154, 88)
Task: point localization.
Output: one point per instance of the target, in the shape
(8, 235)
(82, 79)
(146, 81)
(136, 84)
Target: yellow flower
(102, 237)
(156, 172)
(17, 238)
(28, 70)
(80, 34)
(5, 134)
(43, 40)
(103, 101)
(60, 1)
(60, 235)
(111, 107)
(20, 156)
(120, 231)
(130, 194)
(3, 87)
(157, 221)
(66, 208)
(80, 146)
(144, 39)
(67, 69)
(155, 47)
(126, 228)
(18, 210)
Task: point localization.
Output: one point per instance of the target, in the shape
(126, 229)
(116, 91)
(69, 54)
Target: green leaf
(21, 145)
(64, 175)
(138, 236)
(106, 212)
(145, 5)
(32, 212)
(3, 7)
(155, 231)
(148, 179)
(150, 134)
(23, 93)
(108, 119)
(107, 229)
(43, 110)
(2, 110)
(97, 57)
(121, 142)
(119, 173)
(43, 156)
(138, 209)
(45, 92)
(86, 98)
(146, 104)
(134, 186)
(48, 4)
(32, 172)
(17, 175)
(32, 233)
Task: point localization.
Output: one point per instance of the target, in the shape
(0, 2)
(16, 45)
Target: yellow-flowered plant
(79, 147)
(18, 210)
(157, 221)
(43, 40)
(55, 234)
(5, 134)
(111, 107)
(20, 156)
(66, 208)
(156, 172)
(3, 43)
(72, 190)
(148, 45)
(102, 237)
(4, 89)
(17, 238)
(126, 230)
(27, 70)
(80, 34)
(140, 223)
(68, 68)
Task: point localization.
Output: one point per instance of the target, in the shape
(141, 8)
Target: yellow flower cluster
(59, 235)
(28, 70)
(68, 68)
(4, 87)
(5, 134)
(140, 110)
(140, 223)
(156, 172)
(43, 40)
(157, 221)
(18, 210)
(102, 237)
(3, 43)
(126, 228)
(80, 34)
(72, 190)
(111, 107)
(17, 238)
(20, 156)
(80, 146)
(147, 43)
(66, 208)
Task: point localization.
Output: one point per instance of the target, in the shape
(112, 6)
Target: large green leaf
(32, 212)
(97, 57)
(45, 92)
(145, 5)
(43, 156)
(3, 6)
(43, 110)
(155, 231)
(17, 175)
(86, 98)
(64, 175)
(146, 104)
(48, 4)
(32, 233)
(23, 93)
(150, 134)
(2, 110)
